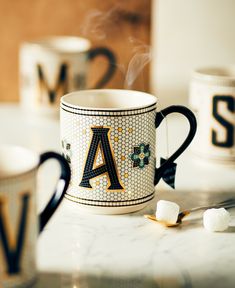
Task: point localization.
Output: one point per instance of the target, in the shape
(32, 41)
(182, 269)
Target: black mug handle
(192, 131)
(60, 190)
(93, 53)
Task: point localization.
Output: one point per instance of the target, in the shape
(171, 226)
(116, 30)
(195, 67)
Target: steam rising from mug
(142, 56)
(97, 24)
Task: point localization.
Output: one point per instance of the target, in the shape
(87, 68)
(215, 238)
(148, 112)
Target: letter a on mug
(101, 142)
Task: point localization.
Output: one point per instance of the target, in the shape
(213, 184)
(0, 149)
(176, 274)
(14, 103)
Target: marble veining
(131, 246)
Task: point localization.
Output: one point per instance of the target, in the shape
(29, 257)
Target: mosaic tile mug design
(19, 225)
(108, 137)
(54, 66)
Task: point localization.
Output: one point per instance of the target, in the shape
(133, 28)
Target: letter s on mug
(229, 127)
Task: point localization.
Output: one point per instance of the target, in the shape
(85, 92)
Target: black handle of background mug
(93, 53)
(60, 190)
(192, 131)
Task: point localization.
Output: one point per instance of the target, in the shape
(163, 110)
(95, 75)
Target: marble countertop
(77, 248)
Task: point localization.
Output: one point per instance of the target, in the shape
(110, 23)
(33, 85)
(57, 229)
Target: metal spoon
(229, 203)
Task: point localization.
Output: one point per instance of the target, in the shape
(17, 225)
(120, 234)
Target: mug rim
(27, 169)
(47, 43)
(152, 100)
(224, 74)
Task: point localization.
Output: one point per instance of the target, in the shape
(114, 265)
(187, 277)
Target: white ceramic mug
(212, 97)
(54, 66)
(19, 223)
(108, 137)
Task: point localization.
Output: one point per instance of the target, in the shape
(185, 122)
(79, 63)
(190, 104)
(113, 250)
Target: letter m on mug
(60, 88)
(12, 235)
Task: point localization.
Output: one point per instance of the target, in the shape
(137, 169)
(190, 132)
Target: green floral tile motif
(66, 150)
(141, 155)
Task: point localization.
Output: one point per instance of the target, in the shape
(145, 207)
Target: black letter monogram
(61, 83)
(100, 140)
(12, 248)
(229, 140)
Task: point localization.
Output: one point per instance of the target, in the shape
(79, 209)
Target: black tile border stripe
(94, 110)
(110, 206)
(84, 199)
(110, 115)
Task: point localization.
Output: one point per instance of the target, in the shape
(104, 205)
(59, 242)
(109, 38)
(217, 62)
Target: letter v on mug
(19, 223)
(212, 97)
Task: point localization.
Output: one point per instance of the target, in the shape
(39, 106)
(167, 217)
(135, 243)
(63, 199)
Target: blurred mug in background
(54, 66)
(19, 222)
(212, 97)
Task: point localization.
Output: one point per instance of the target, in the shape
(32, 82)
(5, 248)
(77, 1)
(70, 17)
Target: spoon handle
(225, 204)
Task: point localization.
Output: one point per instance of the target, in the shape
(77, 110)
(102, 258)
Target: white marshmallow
(167, 211)
(216, 219)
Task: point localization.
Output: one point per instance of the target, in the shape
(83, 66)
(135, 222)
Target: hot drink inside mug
(108, 137)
